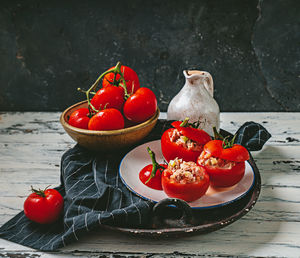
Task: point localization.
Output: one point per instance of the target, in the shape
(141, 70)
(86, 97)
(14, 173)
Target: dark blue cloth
(94, 195)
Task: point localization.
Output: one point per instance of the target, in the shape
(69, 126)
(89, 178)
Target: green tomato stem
(155, 165)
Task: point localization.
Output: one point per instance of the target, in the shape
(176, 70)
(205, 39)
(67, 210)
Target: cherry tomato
(140, 106)
(226, 167)
(189, 191)
(172, 149)
(79, 118)
(109, 97)
(44, 206)
(150, 175)
(130, 76)
(107, 119)
(154, 182)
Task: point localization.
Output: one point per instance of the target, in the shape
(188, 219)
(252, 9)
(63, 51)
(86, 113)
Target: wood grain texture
(32, 143)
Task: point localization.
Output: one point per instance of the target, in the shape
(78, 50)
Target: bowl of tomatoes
(117, 115)
(103, 140)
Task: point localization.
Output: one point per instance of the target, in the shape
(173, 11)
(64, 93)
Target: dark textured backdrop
(251, 48)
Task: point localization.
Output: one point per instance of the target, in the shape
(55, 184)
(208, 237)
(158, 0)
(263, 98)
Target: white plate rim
(192, 207)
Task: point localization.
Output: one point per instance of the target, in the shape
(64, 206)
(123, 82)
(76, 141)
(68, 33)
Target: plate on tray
(138, 158)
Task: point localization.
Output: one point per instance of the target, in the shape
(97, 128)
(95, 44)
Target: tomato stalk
(217, 135)
(185, 123)
(228, 143)
(39, 192)
(116, 70)
(155, 165)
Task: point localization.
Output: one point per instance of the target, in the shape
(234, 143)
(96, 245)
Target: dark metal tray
(173, 217)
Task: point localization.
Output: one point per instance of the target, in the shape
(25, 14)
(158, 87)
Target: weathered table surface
(32, 143)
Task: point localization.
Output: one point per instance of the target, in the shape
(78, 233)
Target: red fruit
(44, 206)
(79, 118)
(130, 76)
(107, 119)
(140, 106)
(109, 97)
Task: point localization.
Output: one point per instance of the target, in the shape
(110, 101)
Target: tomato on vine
(140, 106)
(107, 119)
(150, 175)
(130, 76)
(109, 97)
(80, 118)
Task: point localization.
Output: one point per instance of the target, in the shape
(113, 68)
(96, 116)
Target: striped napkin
(94, 194)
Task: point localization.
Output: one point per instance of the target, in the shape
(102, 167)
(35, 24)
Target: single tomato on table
(183, 141)
(80, 118)
(224, 161)
(140, 106)
(107, 119)
(184, 180)
(150, 175)
(130, 76)
(43, 206)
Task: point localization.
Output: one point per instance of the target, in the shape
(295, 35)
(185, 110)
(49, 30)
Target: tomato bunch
(119, 102)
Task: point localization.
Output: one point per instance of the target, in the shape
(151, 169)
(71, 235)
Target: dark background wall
(50, 48)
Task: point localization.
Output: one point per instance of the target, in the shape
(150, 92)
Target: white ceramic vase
(195, 100)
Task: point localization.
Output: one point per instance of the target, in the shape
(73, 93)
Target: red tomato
(130, 76)
(186, 191)
(195, 134)
(107, 119)
(171, 149)
(222, 175)
(140, 106)
(154, 182)
(109, 97)
(44, 206)
(79, 118)
(236, 153)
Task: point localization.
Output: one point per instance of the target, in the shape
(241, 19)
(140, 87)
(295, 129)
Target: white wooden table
(32, 143)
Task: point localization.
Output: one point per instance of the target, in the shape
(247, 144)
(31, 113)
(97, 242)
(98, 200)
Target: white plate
(138, 158)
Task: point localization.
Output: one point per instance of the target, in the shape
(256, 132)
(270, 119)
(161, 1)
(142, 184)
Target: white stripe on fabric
(41, 237)
(76, 170)
(94, 168)
(71, 205)
(147, 204)
(258, 134)
(121, 198)
(126, 220)
(48, 242)
(63, 240)
(73, 228)
(84, 190)
(29, 235)
(16, 222)
(76, 184)
(140, 215)
(24, 225)
(85, 221)
(109, 189)
(78, 209)
(106, 168)
(131, 197)
(117, 180)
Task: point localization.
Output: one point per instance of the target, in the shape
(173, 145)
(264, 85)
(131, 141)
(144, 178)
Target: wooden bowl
(106, 140)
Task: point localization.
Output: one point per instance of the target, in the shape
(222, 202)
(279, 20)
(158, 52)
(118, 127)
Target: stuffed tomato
(184, 180)
(224, 162)
(183, 141)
